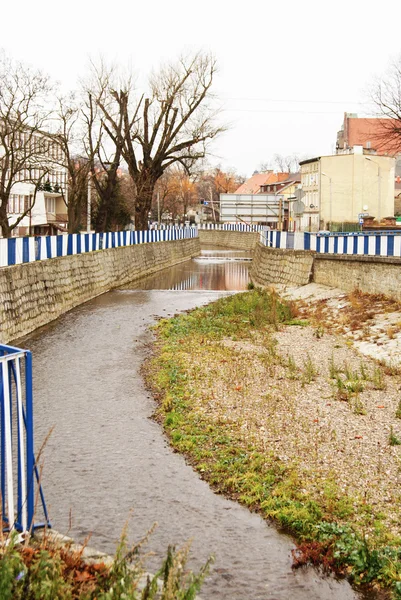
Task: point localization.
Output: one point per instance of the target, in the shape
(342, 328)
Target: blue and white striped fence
(19, 477)
(15, 251)
(232, 227)
(359, 243)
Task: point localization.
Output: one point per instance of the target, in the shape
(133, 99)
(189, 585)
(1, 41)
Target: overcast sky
(287, 70)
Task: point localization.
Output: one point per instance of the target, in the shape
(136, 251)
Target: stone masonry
(283, 267)
(34, 294)
(370, 274)
(240, 240)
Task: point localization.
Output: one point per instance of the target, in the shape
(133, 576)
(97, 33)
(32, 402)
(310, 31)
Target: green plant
(47, 571)
(393, 439)
(292, 368)
(334, 370)
(363, 372)
(398, 411)
(378, 379)
(346, 388)
(251, 285)
(310, 371)
(358, 406)
(319, 332)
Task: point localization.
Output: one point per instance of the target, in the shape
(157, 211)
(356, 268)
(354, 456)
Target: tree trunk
(145, 184)
(5, 227)
(74, 209)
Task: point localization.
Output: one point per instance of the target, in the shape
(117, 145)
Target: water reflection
(223, 270)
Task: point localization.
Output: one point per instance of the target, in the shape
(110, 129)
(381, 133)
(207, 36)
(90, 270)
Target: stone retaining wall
(240, 240)
(286, 267)
(371, 274)
(34, 294)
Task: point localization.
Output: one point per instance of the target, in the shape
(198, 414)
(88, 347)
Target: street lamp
(378, 186)
(331, 198)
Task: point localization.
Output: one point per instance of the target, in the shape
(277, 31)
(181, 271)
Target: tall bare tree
(386, 96)
(71, 137)
(25, 150)
(103, 147)
(172, 123)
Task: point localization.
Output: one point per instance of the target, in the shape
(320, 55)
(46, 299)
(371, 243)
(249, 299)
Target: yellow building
(340, 188)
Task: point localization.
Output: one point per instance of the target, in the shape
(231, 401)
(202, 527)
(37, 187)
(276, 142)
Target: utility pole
(280, 214)
(88, 206)
(212, 202)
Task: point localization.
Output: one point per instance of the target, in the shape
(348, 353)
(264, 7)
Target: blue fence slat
(11, 250)
(69, 244)
(25, 250)
(390, 245)
(377, 245)
(78, 243)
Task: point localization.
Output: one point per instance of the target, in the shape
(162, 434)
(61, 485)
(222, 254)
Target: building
(48, 212)
(397, 196)
(254, 209)
(342, 188)
(263, 199)
(372, 134)
(287, 189)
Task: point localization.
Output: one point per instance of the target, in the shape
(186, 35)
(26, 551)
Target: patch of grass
(398, 411)
(297, 322)
(324, 518)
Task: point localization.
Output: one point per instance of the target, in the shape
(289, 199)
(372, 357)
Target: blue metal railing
(19, 478)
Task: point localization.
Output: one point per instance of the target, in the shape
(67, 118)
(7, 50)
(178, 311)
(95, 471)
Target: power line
(292, 101)
(262, 110)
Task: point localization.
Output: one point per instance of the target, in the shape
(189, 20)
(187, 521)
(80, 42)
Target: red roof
(361, 131)
(252, 185)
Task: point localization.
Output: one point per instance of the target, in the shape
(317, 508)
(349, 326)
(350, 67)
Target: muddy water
(106, 457)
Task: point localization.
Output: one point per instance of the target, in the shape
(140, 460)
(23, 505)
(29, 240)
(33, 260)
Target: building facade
(39, 193)
(342, 188)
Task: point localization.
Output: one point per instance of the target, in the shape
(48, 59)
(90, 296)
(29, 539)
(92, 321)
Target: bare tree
(171, 124)
(386, 96)
(103, 146)
(71, 137)
(26, 149)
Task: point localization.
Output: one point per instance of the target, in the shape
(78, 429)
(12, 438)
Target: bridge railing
(29, 249)
(19, 478)
(372, 243)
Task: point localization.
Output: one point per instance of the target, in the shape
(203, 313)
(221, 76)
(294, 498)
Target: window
(51, 205)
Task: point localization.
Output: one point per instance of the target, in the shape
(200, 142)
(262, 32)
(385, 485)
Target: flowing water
(106, 457)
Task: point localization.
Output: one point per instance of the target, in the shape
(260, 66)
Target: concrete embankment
(33, 294)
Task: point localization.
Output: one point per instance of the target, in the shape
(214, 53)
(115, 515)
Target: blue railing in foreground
(19, 477)
(28, 249)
